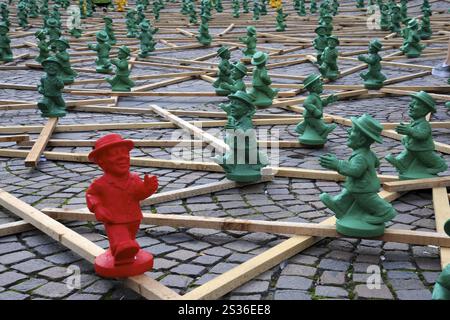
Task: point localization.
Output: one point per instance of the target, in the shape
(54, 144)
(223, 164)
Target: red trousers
(122, 240)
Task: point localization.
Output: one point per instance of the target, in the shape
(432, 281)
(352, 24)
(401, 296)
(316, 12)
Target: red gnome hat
(108, 141)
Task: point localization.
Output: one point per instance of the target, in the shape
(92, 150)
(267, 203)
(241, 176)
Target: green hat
(51, 60)
(4, 26)
(125, 50)
(426, 99)
(107, 19)
(102, 35)
(369, 126)
(222, 50)
(144, 25)
(63, 41)
(312, 78)
(251, 29)
(320, 27)
(140, 7)
(376, 44)
(52, 22)
(242, 96)
(241, 67)
(333, 38)
(259, 58)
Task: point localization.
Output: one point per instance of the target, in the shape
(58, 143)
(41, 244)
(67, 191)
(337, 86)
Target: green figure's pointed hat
(102, 35)
(311, 79)
(242, 96)
(241, 67)
(369, 126)
(222, 50)
(426, 99)
(51, 60)
(376, 44)
(259, 58)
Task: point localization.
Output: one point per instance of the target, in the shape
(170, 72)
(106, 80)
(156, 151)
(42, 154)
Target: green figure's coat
(360, 211)
(121, 81)
(419, 159)
(237, 75)
(261, 92)
(67, 74)
(5, 44)
(250, 41)
(329, 67)
(373, 79)
(313, 130)
(103, 48)
(243, 161)
(146, 37)
(52, 104)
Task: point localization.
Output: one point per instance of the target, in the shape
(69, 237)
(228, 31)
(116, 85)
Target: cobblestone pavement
(33, 266)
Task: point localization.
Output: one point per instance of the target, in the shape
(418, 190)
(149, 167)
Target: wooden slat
(32, 158)
(417, 184)
(442, 214)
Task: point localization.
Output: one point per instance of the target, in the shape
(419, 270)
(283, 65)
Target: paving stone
(293, 282)
(402, 275)
(340, 255)
(84, 296)
(38, 240)
(32, 265)
(66, 257)
(195, 245)
(177, 281)
(335, 265)
(360, 277)
(428, 264)
(395, 246)
(53, 290)
(298, 270)
(11, 295)
(398, 265)
(362, 291)
(28, 285)
(406, 284)
(206, 260)
(241, 246)
(246, 297)
(11, 247)
(182, 255)
(15, 257)
(333, 292)
(253, 286)
(332, 277)
(161, 249)
(303, 259)
(100, 287)
(414, 294)
(223, 267)
(291, 295)
(56, 273)
(10, 277)
(164, 264)
(188, 269)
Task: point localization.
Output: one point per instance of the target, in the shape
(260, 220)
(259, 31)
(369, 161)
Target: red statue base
(106, 267)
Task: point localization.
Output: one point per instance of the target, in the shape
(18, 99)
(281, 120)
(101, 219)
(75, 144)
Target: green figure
(103, 48)
(219, 6)
(313, 6)
(245, 7)
(88, 8)
(235, 7)
(425, 28)
(74, 31)
(203, 32)
(121, 81)
(296, 4)
(419, 159)
(131, 24)
(146, 38)
(360, 211)
(327, 22)
(263, 7)
(60, 46)
(43, 46)
(384, 17)
(83, 9)
(250, 41)
(441, 289)
(22, 14)
(5, 44)
(425, 5)
(334, 7)
(156, 9)
(33, 9)
(320, 43)
(140, 14)
(373, 79)
(329, 67)
(411, 40)
(56, 15)
(53, 31)
(192, 13)
(313, 130)
(360, 4)
(404, 9)
(4, 12)
(224, 73)
(281, 24)
(243, 161)
(396, 19)
(302, 9)
(256, 10)
(184, 7)
(237, 75)
(52, 104)
(261, 92)
(108, 28)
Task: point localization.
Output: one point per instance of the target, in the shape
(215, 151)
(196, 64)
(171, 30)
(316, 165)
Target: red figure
(114, 198)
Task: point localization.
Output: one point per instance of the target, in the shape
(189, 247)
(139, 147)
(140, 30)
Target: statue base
(222, 92)
(353, 224)
(103, 70)
(311, 138)
(414, 171)
(373, 85)
(440, 292)
(105, 267)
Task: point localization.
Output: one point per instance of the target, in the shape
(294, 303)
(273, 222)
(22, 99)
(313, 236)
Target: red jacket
(121, 200)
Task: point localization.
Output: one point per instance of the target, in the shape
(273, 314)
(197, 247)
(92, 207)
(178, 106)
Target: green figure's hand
(329, 161)
(331, 99)
(403, 129)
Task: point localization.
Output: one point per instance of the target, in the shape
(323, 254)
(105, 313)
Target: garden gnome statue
(121, 81)
(203, 32)
(313, 130)
(243, 161)
(43, 46)
(52, 104)
(22, 14)
(360, 211)
(373, 78)
(302, 9)
(313, 6)
(4, 12)
(327, 22)
(60, 46)
(52, 29)
(419, 159)
(146, 38)
(219, 6)
(384, 17)
(140, 14)
(411, 40)
(263, 7)
(281, 17)
(5, 44)
(245, 7)
(236, 7)
(261, 92)
(114, 199)
(102, 47)
(237, 75)
(109, 30)
(192, 13)
(256, 10)
(425, 27)
(320, 43)
(74, 30)
(329, 67)
(250, 41)
(441, 289)
(224, 73)
(131, 24)
(396, 19)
